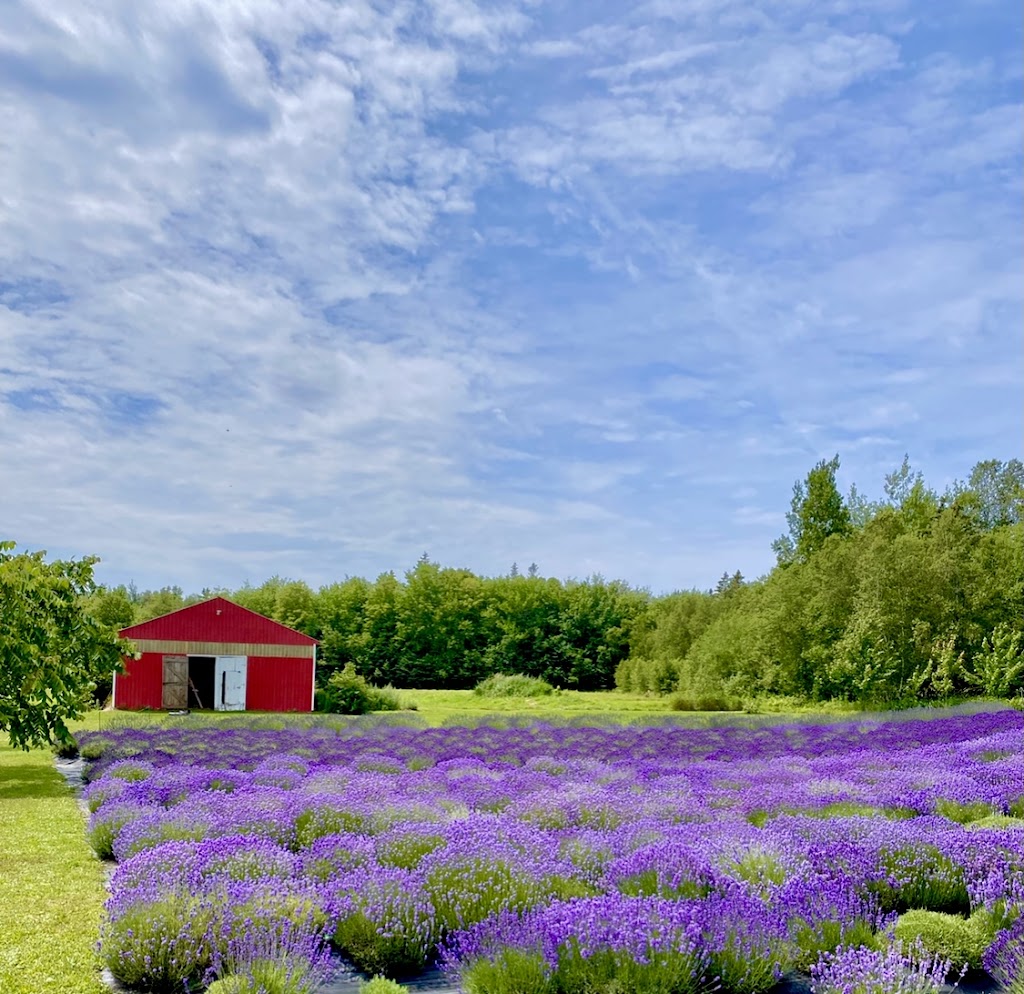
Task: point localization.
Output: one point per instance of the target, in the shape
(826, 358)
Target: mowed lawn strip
(448, 706)
(51, 884)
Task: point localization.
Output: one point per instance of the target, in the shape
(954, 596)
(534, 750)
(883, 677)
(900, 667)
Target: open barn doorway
(201, 683)
(205, 683)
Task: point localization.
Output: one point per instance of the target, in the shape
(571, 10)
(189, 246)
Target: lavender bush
(543, 857)
(606, 943)
(1004, 959)
(276, 957)
(860, 970)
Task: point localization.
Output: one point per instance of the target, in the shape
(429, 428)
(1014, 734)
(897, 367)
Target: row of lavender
(559, 859)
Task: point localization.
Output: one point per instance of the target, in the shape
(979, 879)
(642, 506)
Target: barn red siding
(274, 684)
(142, 683)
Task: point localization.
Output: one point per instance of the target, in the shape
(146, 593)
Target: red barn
(217, 655)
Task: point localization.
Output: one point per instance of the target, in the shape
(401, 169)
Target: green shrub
(102, 792)
(96, 747)
(321, 819)
(131, 770)
(231, 985)
(584, 971)
(961, 940)
(704, 701)
(269, 976)
(68, 749)
(265, 913)
(386, 699)
(513, 685)
(106, 824)
(349, 693)
(650, 883)
(396, 945)
(510, 971)
(467, 890)
(996, 822)
(671, 971)
(171, 830)
(759, 869)
(381, 985)
(642, 675)
(963, 814)
(407, 851)
(810, 941)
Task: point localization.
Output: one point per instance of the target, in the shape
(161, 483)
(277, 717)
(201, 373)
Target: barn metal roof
(217, 620)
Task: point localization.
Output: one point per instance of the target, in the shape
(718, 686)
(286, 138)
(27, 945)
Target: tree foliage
(914, 596)
(53, 651)
(906, 596)
(816, 511)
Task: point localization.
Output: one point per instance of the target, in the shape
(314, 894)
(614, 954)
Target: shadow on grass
(27, 780)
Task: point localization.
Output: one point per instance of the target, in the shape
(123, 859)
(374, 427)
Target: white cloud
(305, 288)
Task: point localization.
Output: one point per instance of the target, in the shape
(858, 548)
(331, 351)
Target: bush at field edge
(513, 685)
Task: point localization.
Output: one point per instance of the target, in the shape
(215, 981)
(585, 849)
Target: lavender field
(865, 856)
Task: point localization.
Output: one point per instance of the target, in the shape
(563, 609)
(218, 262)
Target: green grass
(443, 707)
(51, 886)
(450, 703)
(434, 707)
(452, 707)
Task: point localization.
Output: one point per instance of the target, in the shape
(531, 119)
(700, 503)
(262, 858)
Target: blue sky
(308, 288)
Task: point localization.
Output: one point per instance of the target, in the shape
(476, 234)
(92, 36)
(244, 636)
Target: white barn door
(229, 683)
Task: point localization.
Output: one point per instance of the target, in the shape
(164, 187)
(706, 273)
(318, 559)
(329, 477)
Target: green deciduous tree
(294, 606)
(594, 629)
(994, 493)
(112, 606)
(52, 651)
(442, 627)
(523, 616)
(884, 601)
(379, 650)
(261, 599)
(155, 603)
(908, 494)
(817, 510)
(340, 610)
(733, 654)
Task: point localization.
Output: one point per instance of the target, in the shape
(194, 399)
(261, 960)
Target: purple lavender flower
(577, 855)
(1004, 959)
(860, 970)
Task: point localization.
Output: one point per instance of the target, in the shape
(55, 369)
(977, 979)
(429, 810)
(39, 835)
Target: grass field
(447, 707)
(51, 885)
(439, 706)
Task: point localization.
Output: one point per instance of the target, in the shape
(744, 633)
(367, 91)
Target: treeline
(913, 597)
(437, 626)
(918, 595)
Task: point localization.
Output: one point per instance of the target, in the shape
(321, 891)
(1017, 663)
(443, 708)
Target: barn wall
(279, 684)
(273, 683)
(142, 683)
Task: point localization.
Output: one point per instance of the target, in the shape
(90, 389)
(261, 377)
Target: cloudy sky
(310, 287)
